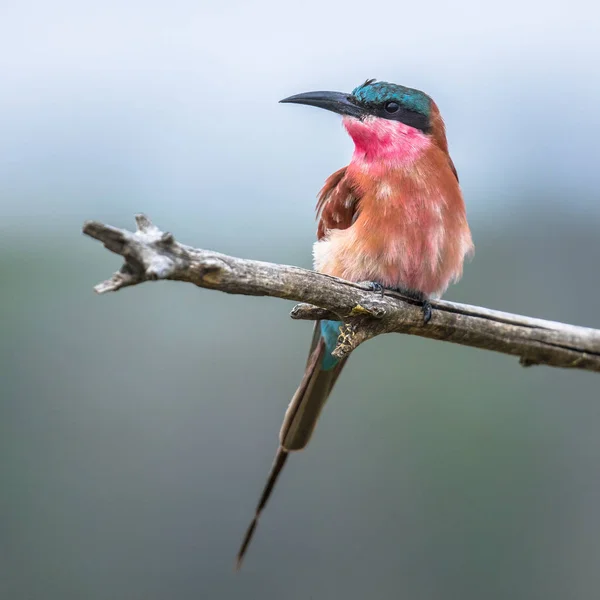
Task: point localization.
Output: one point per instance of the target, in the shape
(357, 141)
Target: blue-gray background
(136, 430)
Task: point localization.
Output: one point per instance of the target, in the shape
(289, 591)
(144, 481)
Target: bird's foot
(419, 297)
(412, 294)
(427, 311)
(374, 286)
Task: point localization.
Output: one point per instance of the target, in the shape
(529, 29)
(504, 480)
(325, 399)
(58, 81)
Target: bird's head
(385, 120)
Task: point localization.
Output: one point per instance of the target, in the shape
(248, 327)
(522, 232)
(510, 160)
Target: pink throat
(378, 141)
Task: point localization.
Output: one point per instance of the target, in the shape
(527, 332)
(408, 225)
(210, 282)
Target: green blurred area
(136, 431)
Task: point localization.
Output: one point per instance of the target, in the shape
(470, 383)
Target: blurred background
(137, 429)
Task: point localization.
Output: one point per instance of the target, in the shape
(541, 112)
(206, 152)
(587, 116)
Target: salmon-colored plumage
(396, 214)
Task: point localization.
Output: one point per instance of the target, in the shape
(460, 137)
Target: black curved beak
(337, 102)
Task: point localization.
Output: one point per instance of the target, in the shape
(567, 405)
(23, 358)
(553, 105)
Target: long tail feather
(278, 465)
(298, 424)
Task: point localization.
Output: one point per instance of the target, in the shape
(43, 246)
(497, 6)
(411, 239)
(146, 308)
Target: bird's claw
(375, 287)
(418, 296)
(427, 311)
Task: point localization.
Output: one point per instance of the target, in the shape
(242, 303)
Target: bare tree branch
(151, 254)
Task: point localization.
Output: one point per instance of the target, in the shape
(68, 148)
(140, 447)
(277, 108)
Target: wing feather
(338, 203)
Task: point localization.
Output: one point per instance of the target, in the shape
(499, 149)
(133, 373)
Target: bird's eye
(391, 107)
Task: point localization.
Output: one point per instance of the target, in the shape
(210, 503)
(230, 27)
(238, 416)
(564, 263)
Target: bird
(394, 217)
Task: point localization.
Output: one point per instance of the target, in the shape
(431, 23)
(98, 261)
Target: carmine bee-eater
(395, 217)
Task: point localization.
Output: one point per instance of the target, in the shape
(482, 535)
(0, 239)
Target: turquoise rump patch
(330, 330)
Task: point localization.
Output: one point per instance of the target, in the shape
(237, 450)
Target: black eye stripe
(394, 111)
(402, 114)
